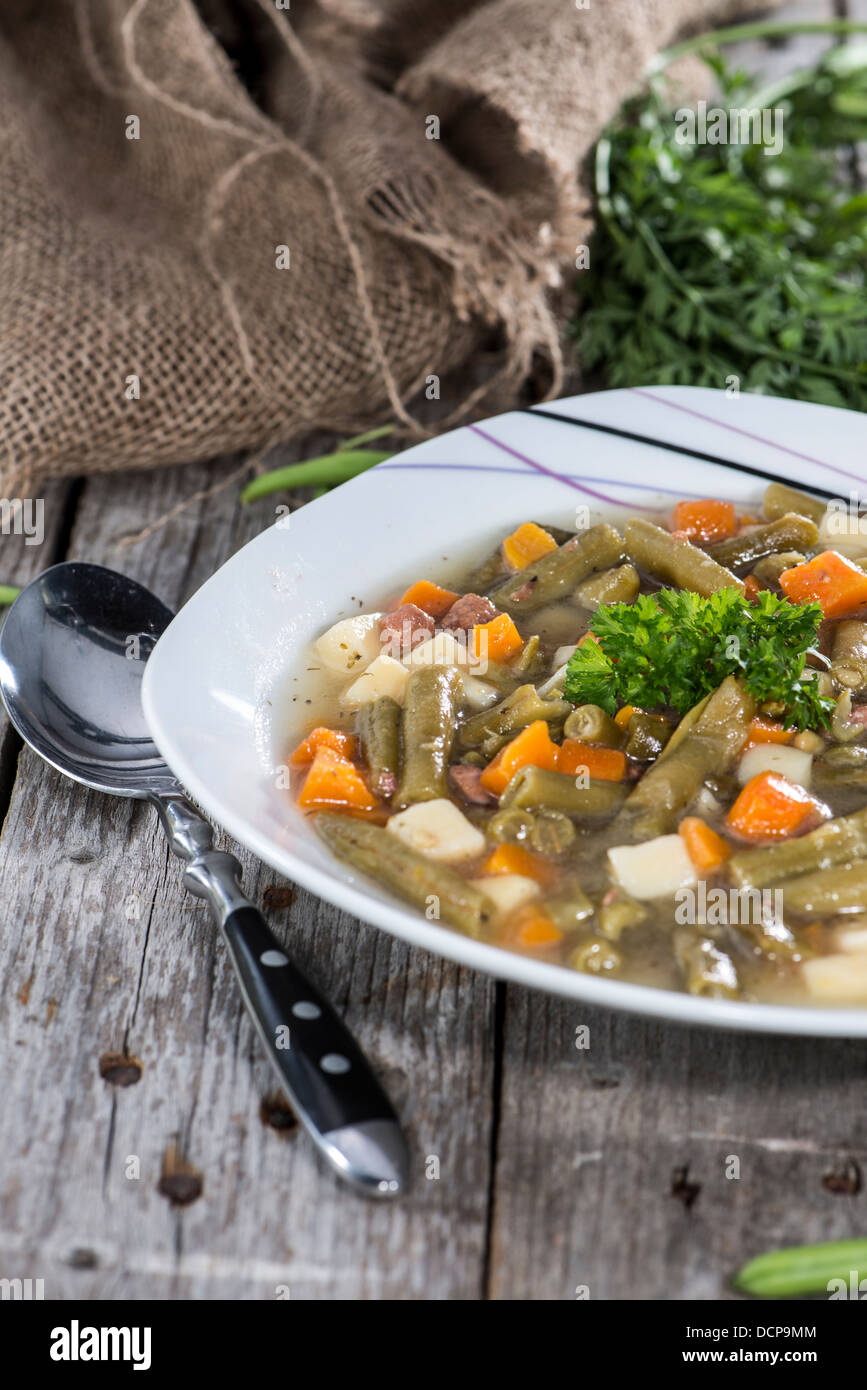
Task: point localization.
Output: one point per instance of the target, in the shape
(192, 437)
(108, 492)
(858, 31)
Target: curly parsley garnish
(673, 647)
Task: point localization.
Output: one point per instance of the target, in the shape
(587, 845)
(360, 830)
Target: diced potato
(852, 937)
(507, 892)
(794, 763)
(841, 530)
(655, 869)
(838, 979)
(479, 694)
(553, 683)
(439, 830)
(351, 644)
(443, 649)
(384, 676)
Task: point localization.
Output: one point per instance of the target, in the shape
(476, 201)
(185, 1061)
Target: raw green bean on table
(827, 891)
(707, 971)
(647, 735)
(789, 532)
(849, 654)
(780, 499)
(768, 570)
(591, 724)
(709, 746)
(522, 707)
(430, 705)
(805, 1269)
(379, 733)
(537, 788)
(832, 843)
(618, 585)
(674, 560)
(422, 881)
(557, 573)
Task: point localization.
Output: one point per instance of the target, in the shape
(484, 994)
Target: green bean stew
(635, 751)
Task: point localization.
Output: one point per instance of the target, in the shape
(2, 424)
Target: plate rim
(355, 898)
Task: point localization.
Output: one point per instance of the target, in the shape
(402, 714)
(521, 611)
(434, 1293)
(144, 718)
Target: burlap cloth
(305, 128)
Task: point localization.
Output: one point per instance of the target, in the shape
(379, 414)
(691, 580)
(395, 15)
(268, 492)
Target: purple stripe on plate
(560, 477)
(548, 472)
(747, 434)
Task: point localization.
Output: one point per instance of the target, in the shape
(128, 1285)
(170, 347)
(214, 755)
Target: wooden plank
(599, 1149)
(612, 1161)
(104, 954)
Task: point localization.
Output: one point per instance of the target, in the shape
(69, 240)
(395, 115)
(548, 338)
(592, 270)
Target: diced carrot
(586, 637)
(752, 588)
(603, 764)
(335, 782)
(770, 806)
(705, 847)
(497, 640)
(429, 597)
(514, 859)
(623, 716)
(768, 731)
(322, 738)
(532, 747)
(536, 930)
(705, 521)
(527, 544)
(829, 579)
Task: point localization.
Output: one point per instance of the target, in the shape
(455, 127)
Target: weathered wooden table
(144, 1153)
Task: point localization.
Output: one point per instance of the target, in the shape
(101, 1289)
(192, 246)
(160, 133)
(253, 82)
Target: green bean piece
(590, 724)
(835, 842)
(595, 957)
(712, 743)
(536, 787)
(647, 736)
(430, 706)
(619, 585)
(528, 660)
(487, 573)
(522, 707)
(842, 765)
(827, 891)
(569, 909)
(689, 720)
(557, 573)
(805, 1269)
(546, 832)
(674, 560)
(849, 654)
(432, 887)
(379, 732)
(707, 971)
(619, 914)
(789, 532)
(842, 731)
(767, 572)
(780, 500)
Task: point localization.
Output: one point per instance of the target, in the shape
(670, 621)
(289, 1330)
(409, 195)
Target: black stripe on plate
(675, 449)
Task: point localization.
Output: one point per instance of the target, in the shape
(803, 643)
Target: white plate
(217, 676)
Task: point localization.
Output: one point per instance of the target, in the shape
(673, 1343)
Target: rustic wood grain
(105, 957)
(611, 1161)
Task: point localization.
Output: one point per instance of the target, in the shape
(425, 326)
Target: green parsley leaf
(673, 647)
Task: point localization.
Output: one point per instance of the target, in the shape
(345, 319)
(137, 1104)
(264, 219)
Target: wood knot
(276, 1112)
(179, 1182)
(119, 1070)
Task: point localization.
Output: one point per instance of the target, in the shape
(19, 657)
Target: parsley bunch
(713, 262)
(673, 647)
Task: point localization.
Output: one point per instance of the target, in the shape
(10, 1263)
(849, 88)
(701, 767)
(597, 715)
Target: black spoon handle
(326, 1076)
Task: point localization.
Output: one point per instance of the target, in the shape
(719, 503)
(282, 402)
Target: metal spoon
(72, 654)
